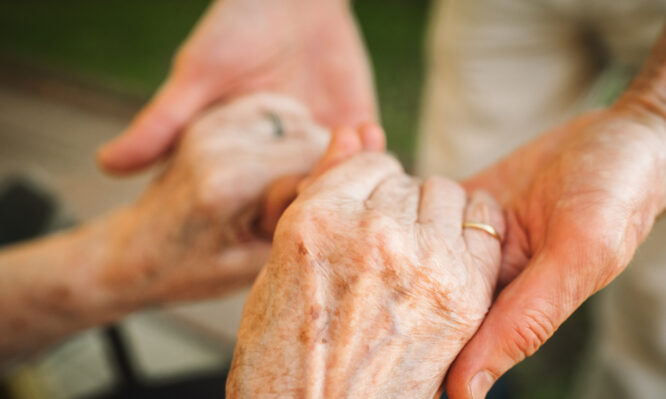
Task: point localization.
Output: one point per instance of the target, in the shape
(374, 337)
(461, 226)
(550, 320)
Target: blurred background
(72, 74)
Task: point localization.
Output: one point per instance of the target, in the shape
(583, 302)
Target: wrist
(97, 250)
(645, 99)
(644, 134)
(647, 107)
(124, 262)
(49, 289)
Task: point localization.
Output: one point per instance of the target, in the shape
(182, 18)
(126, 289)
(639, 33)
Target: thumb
(154, 130)
(524, 316)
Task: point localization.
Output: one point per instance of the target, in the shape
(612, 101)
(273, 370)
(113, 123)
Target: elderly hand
(308, 50)
(372, 286)
(194, 233)
(578, 201)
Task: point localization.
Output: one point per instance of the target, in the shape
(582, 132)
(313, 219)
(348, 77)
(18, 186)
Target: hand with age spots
(195, 233)
(198, 229)
(372, 287)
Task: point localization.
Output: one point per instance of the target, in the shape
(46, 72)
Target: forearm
(50, 288)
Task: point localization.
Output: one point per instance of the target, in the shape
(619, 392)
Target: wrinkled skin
(310, 51)
(195, 231)
(371, 290)
(578, 200)
(198, 231)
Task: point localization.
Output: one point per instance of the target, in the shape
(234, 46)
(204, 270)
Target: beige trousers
(502, 71)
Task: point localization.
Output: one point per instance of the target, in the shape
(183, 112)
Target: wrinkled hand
(195, 231)
(578, 202)
(372, 287)
(308, 50)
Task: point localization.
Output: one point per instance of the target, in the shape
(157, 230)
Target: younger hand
(308, 50)
(578, 201)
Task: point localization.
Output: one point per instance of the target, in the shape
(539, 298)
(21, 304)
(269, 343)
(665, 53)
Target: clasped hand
(372, 287)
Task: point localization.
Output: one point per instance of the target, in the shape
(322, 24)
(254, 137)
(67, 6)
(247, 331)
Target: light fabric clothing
(502, 71)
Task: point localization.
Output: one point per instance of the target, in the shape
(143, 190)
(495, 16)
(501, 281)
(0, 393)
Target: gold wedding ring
(484, 227)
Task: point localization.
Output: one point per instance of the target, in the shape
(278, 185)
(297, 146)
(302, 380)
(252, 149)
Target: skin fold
(372, 287)
(193, 234)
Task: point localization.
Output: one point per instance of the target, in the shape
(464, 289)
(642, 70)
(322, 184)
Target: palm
(576, 201)
(320, 61)
(308, 50)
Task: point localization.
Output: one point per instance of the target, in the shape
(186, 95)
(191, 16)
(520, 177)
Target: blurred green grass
(127, 45)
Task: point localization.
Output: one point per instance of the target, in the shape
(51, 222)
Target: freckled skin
(371, 290)
(191, 235)
(203, 211)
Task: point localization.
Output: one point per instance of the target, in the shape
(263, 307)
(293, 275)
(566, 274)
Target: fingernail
(480, 384)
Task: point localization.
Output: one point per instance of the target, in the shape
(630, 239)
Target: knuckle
(377, 225)
(300, 228)
(447, 185)
(608, 249)
(442, 189)
(381, 160)
(301, 219)
(529, 334)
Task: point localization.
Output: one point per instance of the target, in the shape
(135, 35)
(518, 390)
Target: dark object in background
(204, 386)
(129, 386)
(25, 211)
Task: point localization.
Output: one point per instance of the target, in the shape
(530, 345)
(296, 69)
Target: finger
(345, 142)
(442, 205)
(355, 179)
(373, 138)
(515, 249)
(484, 248)
(279, 195)
(524, 316)
(154, 130)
